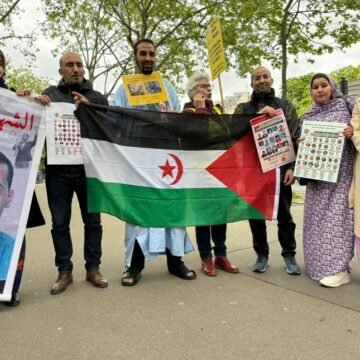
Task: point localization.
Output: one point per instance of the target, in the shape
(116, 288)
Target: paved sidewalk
(231, 316)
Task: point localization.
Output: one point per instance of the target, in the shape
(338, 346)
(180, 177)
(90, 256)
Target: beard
(147, 69)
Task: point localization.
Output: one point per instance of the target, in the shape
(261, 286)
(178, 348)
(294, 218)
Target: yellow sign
(215, 48)
(145, 89)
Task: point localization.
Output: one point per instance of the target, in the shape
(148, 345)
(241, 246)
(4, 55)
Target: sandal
(182, 272)
(130, 277)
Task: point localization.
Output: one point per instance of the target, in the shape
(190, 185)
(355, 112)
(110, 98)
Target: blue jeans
(203, 239)
(60, 191)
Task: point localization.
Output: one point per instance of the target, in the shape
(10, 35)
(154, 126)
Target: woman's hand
(348, 132)
(289, 177)
(299, 140)
(199, 101)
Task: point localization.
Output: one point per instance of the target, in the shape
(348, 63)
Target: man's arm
(239, 109)
(120, 98)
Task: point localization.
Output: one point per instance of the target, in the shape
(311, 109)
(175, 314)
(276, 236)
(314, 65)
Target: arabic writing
(18, 124)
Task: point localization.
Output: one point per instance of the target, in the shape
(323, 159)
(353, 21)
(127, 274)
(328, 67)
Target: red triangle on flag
(239, 169)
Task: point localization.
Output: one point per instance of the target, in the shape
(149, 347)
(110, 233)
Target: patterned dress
(328, 221)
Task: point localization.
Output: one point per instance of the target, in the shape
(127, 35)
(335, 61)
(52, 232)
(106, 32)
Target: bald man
(263, 96)
(62, 181)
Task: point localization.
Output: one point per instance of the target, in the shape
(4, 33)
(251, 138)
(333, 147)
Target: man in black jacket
(63, 180)
(263, 98)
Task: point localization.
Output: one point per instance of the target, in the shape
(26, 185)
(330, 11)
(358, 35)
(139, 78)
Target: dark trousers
(60, 191)
(138, 259)
(204, 234)
(286, 227)
(19, 269)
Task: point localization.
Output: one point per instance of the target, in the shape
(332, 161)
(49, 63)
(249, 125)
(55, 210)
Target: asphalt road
(230, 316)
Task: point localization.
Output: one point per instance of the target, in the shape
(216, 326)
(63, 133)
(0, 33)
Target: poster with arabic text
(22, 135)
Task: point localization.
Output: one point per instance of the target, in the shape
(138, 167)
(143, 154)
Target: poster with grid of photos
(320, 152)
(63, 139)
(273, 141)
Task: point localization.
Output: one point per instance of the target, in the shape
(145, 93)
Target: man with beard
(263, 99)
(140, 241)
(62, 181)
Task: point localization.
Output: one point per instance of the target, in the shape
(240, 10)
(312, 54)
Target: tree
(176, 27)
(6, 8)
(93, 34)
(275, 30)
(9, 10)
(299, 87)
(107, 30)
(23, 78)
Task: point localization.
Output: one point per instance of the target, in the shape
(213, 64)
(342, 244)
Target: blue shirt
(120, 99)
(6, 250)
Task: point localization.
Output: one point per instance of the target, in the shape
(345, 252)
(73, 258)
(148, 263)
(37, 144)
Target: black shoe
(15, 301)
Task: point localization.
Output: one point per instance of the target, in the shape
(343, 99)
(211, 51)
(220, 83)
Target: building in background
(231, 101)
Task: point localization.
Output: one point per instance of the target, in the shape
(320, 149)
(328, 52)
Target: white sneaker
(336, 280)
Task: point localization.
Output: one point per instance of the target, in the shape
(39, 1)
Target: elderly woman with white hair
(199, 91)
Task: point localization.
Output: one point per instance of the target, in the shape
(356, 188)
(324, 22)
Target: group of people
(329, 235)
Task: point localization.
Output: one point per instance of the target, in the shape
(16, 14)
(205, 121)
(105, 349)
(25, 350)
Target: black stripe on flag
(140, 128)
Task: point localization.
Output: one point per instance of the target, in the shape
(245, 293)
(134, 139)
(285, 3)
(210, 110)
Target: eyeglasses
(205, 86)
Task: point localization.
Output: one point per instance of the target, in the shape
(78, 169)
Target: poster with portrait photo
(22, 135)
(63, 145)
(320, 152)
(273, 141)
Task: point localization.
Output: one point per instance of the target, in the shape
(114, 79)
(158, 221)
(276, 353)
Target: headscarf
(2, 78)
(2, 57)
(339, 103)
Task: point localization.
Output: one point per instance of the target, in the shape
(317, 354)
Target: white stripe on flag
(114, 163)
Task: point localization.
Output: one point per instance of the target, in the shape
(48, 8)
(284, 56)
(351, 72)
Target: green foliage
(104, 32)
(274, 30)
(23, 78)
(299, 87)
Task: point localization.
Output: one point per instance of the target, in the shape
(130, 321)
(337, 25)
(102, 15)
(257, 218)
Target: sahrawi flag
(158, 169)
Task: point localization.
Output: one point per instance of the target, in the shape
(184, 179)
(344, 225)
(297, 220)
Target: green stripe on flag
(151, 207)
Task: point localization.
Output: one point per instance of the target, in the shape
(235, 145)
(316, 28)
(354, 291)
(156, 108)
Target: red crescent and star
(168, 169)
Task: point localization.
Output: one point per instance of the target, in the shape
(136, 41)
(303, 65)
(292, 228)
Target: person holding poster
(199, 91)
(328, 235)
(354, 195)
(35, 215)
(140, 242)
(263, 100)
(62, 181)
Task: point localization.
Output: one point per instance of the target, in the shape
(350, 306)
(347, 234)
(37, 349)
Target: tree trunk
(283, 68)
(283, 42)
